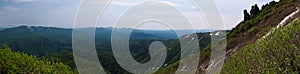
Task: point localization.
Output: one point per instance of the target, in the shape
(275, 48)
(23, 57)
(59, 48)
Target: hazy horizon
(61, 13)
(115, 28)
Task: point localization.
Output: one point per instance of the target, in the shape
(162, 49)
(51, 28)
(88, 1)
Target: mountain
(267, 41)
(274, 42)
(275, 53)
(252, 40)
(55, 44)
(38, 39)
(43, 39)
(2, 29)
(102, 34)
(163, 34)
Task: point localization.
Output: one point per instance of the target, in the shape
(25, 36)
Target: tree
(246, 15)
(21, 63)
(273, 3)
(254, 10)
(265, 6)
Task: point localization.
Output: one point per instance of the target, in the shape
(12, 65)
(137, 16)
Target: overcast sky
(61, 13)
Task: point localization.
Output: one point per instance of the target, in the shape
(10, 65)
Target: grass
(268, 17)
(244, 35)
(277, 53)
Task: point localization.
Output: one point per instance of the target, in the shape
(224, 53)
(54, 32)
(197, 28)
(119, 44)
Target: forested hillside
(54, 44)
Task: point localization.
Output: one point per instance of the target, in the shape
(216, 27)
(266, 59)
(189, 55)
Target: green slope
(248, 32)
(277, 53)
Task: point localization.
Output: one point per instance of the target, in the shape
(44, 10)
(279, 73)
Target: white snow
(182, 69)
(193, 38)
(283, 22)
(166, 65)
(187, 36)
(218, 33)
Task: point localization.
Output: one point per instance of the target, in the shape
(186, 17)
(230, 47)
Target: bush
(20, 63)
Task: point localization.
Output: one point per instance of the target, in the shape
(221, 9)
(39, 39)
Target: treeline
(255, 10)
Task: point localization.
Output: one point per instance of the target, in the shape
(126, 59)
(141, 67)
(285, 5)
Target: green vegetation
(204, 45)
(55, 44)
(277, 53)
(269, 16)
(171, 69)
(19, 63)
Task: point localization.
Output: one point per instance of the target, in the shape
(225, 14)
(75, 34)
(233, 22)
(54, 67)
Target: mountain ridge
(55, 44)
(259, 25)
(249, 31)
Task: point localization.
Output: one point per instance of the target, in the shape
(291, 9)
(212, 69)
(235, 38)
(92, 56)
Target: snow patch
(283, 22)
(166, 65)
(182, 69)
(193, 38)
(218, 33)
(187, 36)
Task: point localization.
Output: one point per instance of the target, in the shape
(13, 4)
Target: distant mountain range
(2, 29)
(101, 31)
(43, 38)
(56, 43)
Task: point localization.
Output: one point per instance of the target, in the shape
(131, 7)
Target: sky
(61, 13)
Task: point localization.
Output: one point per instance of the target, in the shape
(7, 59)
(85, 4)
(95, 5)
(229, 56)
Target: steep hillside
(249, 31)
(204, 41)
(260, 45)
(260, 24)
(277, 53)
